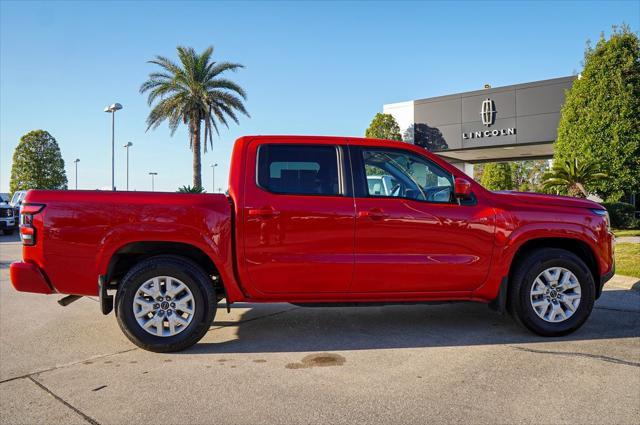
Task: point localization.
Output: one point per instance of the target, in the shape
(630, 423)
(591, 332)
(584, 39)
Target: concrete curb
(624, 282)
(628, 239)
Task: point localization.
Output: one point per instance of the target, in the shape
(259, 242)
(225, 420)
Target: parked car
(18, 198)
(8, 218)
(381, 185)
(300, 225)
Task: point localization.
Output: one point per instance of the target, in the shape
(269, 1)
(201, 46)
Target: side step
(68, 300)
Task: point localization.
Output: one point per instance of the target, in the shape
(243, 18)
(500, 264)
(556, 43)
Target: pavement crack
(38, 372)
(61, 400)
(577, 354)
(616, 309)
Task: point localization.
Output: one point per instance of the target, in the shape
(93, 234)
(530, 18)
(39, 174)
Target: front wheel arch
(575, 246)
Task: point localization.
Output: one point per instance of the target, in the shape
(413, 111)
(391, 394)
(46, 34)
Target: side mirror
(462, 188)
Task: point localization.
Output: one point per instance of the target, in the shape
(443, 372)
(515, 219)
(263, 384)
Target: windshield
(17, 197)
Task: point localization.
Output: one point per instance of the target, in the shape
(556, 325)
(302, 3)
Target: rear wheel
(165, 304)
(552, 292)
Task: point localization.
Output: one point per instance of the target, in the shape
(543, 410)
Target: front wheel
(165, 304)
(552, 292)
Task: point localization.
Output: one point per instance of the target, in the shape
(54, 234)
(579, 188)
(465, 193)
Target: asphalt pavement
(281, 364)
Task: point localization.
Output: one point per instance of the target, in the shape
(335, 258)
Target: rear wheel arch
(133, 253)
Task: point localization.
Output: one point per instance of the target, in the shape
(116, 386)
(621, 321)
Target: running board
(68, 300)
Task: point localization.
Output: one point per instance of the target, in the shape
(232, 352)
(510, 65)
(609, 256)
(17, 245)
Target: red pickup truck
(306, 222)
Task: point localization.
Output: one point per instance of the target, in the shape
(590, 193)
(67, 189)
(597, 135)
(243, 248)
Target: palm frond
(166, 64)
(218, 68)
(223, 83)
(191, 91)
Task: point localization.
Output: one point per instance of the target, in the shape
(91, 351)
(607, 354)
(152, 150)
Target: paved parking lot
(265, 364)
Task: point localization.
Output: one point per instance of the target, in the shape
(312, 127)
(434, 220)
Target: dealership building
(494, 124)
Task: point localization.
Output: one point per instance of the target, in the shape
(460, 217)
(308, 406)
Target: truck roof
(304, 139)
(353, 141)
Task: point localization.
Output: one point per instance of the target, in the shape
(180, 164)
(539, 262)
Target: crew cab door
(298, 219)
(416, 237)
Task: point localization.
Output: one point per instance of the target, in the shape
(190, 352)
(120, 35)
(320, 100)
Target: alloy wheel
(555, 294)
(163, 306)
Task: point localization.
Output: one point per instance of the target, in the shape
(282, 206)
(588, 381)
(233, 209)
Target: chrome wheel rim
(163, 306)
(555, 294)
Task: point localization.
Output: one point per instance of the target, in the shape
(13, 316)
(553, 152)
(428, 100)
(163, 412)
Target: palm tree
(573, 176)
(193, 93)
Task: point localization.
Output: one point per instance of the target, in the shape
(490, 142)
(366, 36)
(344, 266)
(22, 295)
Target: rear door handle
(264, 212)
(373, 213)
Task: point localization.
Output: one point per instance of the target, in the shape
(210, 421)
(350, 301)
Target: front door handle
(264, 212)
(373, 213)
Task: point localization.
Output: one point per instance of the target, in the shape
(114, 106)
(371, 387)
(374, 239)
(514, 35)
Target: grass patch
(626, 232)
(628, 259)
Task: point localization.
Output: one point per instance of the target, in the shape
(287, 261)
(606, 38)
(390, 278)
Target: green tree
(575, 177)
(383, 126)
(601, 115)
(527, 175)
(193, 93)
(497, 176)
(37, 163)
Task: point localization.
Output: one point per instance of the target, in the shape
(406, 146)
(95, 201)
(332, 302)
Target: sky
(323, 68)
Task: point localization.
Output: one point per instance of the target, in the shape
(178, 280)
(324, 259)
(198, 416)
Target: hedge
(621, 214)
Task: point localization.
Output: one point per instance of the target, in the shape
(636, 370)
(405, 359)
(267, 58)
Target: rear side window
(299, 169)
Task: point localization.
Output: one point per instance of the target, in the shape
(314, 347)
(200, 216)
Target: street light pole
(127, 146)
(152, 174)
(112, 110)
(213, 177)
(76, 162)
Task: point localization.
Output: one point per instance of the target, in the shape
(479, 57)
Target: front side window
(299, 169)
(401, 174)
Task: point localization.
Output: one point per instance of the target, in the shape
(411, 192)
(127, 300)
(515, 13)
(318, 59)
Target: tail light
(27, 231)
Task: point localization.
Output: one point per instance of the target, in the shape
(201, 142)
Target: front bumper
(605, 278)
(27, 277)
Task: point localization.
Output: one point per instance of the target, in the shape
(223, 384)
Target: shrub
(621, 214)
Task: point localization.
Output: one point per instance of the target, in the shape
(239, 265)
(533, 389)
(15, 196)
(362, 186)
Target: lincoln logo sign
(488, 114)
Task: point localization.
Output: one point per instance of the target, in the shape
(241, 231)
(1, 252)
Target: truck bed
(78, 232)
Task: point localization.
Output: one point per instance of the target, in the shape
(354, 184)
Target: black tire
(519, 292)
(8, 231)
(200, 285)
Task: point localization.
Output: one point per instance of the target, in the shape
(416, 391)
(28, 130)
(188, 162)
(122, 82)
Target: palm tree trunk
(582, 189)
(195, 145)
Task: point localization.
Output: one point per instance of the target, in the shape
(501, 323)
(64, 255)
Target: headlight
(605, 214)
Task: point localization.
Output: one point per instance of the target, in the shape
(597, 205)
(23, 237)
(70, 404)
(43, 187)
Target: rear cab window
(300, 169)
